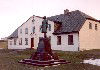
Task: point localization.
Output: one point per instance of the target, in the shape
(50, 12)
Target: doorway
(32, 42)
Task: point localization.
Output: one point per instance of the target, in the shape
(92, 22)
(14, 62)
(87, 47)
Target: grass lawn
(9, 60)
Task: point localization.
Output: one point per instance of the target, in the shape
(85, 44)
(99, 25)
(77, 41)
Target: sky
(13, 13)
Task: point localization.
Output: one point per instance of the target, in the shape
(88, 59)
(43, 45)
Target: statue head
(44, 17)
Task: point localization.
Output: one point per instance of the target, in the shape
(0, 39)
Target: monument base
(43, 63)
(44, 56)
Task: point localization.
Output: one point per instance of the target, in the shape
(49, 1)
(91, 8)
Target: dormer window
(96, 27)
(90, 25)
(26, 30)
(57, 25)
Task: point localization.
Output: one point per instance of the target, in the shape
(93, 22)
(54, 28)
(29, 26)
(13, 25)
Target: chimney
(66, 11)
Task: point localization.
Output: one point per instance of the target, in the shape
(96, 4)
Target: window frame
(15, 40)
(90, 25)
(33, 29)
(26, 30)
(20, 41)
(96, 27)
(26, 41)
(70, 40)
(58, 40)
(20, 31)
(10, 42)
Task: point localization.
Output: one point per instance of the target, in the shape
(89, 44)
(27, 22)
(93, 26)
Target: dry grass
(3, 44)
(9, 60)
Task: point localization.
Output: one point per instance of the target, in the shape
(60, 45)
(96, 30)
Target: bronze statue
(44, 26)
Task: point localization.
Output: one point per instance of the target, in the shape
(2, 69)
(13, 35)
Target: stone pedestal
(44, 55)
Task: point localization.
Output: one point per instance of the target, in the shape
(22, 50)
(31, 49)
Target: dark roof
(14, 34)
(71, 22)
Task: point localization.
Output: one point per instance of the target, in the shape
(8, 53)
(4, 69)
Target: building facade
(71, 31)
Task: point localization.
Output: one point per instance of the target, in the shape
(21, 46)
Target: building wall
(38, 21)
(12, 46)
(29, 24)
(89, 38)
(64, 42)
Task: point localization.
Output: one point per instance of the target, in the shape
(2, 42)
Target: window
(20, 41)
(49, 26)
(10, 42)
(57, 26)
(33, 20)
(26, 30)
(14, 41)
(20, 31)
(26, 41)
(58, 40)
(96, 27)
(90, 25)
(70, 40)
(33, 29)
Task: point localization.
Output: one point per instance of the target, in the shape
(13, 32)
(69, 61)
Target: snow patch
(93, 61)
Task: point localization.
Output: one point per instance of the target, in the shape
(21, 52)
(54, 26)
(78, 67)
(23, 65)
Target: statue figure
(44, 26)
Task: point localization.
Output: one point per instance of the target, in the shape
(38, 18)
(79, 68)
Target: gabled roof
(14, 34)
(71, 22)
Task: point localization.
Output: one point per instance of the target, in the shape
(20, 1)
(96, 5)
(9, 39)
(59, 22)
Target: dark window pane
(26, 41)
(96, 27)
(70, 40)
(58, 40)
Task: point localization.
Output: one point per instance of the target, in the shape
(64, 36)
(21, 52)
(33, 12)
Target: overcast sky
(15, 12)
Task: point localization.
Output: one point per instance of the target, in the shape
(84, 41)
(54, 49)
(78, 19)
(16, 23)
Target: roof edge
(66, 33)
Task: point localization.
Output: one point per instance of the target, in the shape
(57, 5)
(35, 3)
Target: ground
(9, 60)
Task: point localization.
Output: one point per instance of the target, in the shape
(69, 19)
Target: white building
(67, 32)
